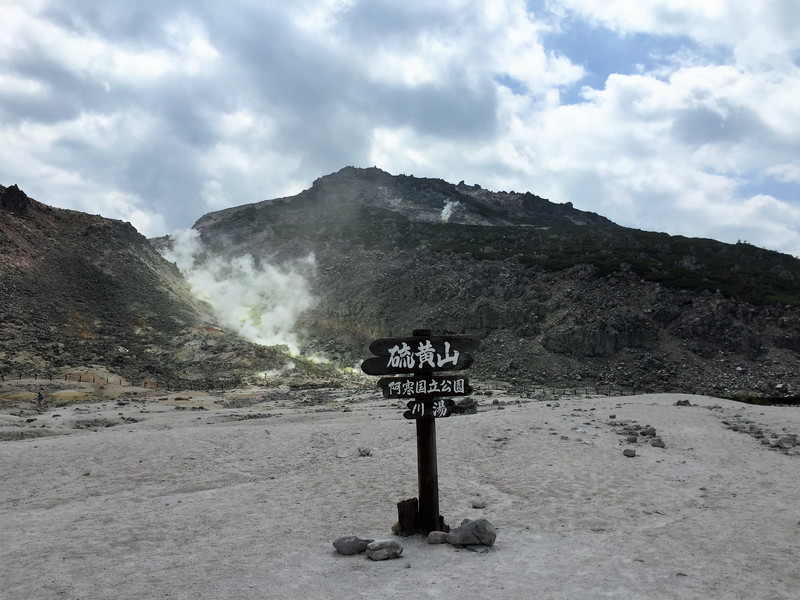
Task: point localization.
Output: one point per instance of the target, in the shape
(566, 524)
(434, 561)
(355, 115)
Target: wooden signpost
(421, 355)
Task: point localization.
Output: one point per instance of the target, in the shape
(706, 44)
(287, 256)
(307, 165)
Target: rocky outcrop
(13, 200)
(599, 339)
(79, 289)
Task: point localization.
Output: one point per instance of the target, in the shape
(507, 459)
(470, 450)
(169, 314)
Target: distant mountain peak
(434, 200)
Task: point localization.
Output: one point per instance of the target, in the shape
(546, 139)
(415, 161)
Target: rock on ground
(350, 544)
(384, 549)
(479, 531)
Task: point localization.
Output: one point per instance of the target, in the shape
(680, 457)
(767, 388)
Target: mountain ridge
(569, 295)
(559, 297)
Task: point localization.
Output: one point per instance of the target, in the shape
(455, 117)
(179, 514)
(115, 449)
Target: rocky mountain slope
(559, 296)
(79, 289)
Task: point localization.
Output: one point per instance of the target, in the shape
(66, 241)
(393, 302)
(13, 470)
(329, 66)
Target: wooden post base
(408, 521)
(408, 517)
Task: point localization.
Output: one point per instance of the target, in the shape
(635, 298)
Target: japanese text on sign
(403, 356)
(438, 409)
(421, 387)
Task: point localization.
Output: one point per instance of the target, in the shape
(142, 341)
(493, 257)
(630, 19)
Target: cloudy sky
(670, 115)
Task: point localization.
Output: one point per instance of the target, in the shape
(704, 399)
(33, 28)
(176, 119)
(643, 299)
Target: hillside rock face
(559, 296)
(78, 290)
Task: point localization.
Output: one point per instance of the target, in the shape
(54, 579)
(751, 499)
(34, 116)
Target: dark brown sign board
(432, 386)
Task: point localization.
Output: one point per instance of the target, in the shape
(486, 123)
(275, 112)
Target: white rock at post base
(384, 549)
(437, 537)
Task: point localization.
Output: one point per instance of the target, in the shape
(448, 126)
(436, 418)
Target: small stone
(364, 451)
(437, 537)
(629, 452)
(787, 442)
(479, 531)
(658, 443)
(350, 544)
(384, 549)
(612, 416)
(631, 439)
(479, 502)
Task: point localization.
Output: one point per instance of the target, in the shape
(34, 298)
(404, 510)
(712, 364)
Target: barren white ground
(194, 504)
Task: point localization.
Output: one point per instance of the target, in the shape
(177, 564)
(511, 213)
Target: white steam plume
(261, 302)
(449, 207)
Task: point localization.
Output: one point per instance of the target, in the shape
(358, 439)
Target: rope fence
(79, 378)
(584, 391)
(224, 383)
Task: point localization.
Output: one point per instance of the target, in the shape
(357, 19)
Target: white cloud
(158, 112)
(758, 33)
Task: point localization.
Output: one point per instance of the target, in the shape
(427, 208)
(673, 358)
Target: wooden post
(393, 356)
(408, 517)
(427, 469)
